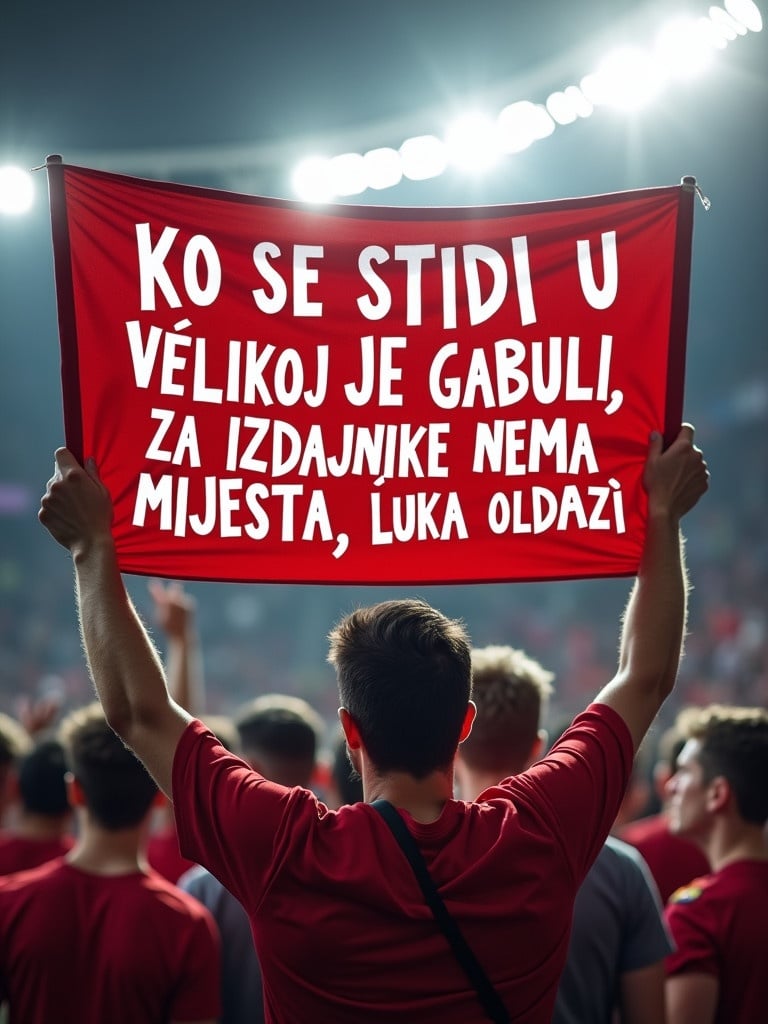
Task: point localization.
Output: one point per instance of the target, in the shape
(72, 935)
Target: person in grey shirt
(618, 944)
(615, 966)
(242, 1001)
(279, 736)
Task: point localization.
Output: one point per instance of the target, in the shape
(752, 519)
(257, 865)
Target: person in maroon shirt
(95, 936)
(672, 859)
(341, 927)
(43, 826)
(719, 799)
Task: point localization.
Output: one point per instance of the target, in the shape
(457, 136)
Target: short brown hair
(734, 745)
(404, 675)
(118, 789)
(279, 725)
(511, 691)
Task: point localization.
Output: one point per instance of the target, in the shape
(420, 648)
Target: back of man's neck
(103, 852)
(424, 799)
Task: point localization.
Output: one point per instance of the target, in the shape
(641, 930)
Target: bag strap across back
(489, 997)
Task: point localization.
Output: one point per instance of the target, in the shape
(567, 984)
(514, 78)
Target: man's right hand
(76, 508)
(675, 479)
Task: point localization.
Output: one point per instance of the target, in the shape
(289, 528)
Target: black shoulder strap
(489, 997)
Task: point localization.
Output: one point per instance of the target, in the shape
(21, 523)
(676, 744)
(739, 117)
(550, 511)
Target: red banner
(366, 394)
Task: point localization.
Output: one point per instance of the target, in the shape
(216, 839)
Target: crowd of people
(167, 855)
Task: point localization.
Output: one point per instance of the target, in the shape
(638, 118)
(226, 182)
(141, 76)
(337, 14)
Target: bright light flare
(311, 180)
(382, 168)
(566, 106)
(581, 104)
(422, 157)
(746, 13)
(684, 48)
(711, 34)
(728, 27)
(560, 108)
(17, 190)
(521, 124)
(629, 79)
(472, 142)
(347, 173)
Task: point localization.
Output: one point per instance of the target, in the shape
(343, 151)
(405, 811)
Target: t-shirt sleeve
(228, 817)
(646, 937)
(577, 789)
(198, 993)
(695, 951)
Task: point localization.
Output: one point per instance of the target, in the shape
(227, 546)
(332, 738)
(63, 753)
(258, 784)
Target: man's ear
(719, 794)
(160, 800)
(661, 777)
(75, 795)
(539, 746)
(469, 718)
(351, 731)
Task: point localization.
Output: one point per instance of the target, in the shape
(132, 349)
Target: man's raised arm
(656, 615)
(126, 670)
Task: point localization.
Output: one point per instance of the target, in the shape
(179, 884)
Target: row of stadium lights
(628, 79)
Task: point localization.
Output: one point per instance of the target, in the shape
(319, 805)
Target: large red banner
(367, 394)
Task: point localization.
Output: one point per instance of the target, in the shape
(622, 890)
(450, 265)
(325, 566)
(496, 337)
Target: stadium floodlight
(311, 180)
(422, 157)
(347, 174)
(383, 168)
(727, 26)
(745, 13)
(684, 48)
(17, 190)
(472, 142)
(735, 23)
(629, 78)
(561, 108)
(566, 105)
(595, 88)
(521, 124)
(581, 104)
(709, 32)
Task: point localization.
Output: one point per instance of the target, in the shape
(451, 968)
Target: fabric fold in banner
(368, 394)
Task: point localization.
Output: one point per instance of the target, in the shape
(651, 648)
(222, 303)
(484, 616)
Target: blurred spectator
(174, 613)
(615, 962)
(719, 799)
(279, 737)
(43, 825)
(94, 937)
(672, 859)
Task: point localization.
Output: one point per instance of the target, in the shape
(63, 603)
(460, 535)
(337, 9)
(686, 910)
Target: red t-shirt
(163, 854)
(79, 948)
(720, 927)
(342, 930)
(20, 853)
(672, 860)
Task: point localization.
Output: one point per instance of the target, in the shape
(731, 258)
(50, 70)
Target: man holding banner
(341, 928)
